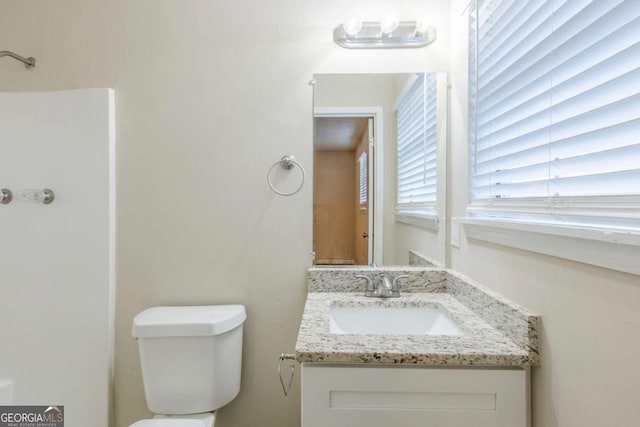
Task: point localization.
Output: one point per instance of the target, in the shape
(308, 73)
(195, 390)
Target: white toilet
(191, 359)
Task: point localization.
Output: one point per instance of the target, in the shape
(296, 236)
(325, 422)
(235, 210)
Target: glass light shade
(421, 27)
(352, 27)
(388, 24)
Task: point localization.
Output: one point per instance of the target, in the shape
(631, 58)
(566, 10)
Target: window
(417, 145)
(362, 162)
(554, 106)
(554, 128)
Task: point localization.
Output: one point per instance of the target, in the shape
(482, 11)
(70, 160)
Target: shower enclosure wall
(57, 278)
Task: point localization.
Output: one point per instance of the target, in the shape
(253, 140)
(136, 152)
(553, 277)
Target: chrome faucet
(387, 289)
(395, 285)
(371, 288)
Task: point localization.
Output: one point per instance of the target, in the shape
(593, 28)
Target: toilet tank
(190, 356)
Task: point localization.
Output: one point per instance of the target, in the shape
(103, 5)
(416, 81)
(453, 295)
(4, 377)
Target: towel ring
(286, 162)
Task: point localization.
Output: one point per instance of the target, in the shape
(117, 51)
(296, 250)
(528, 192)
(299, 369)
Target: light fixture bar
(370, 36)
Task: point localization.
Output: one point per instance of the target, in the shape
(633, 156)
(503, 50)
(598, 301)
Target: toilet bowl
(191, 360)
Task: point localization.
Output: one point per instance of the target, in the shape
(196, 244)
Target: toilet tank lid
(188, 321)
(168, 423)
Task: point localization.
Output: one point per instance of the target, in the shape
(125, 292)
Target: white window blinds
(554, 95)
(416, 136)
(362, 162)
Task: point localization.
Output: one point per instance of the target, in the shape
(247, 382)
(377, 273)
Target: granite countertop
(496, 332)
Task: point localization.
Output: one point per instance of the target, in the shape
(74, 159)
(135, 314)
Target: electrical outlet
(455, 233)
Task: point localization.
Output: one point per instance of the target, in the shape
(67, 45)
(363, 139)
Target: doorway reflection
(342, 190)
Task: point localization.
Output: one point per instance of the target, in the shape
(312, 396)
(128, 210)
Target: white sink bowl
(391, 321)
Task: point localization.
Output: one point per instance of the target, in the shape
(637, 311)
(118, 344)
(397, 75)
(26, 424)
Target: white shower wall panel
(57, 278)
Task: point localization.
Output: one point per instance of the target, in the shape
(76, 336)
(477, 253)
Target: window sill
(418, 218)
(616, 249)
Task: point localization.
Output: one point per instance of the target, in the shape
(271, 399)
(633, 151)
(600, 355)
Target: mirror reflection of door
(342, 196)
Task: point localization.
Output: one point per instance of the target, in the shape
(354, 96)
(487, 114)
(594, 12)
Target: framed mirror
(379, 169)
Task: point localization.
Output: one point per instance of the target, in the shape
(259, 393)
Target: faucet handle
(371, 289)
(394, 285)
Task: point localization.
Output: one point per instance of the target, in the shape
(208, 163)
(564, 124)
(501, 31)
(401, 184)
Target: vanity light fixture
(388, 33)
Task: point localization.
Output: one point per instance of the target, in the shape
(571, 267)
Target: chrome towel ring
(286, 162)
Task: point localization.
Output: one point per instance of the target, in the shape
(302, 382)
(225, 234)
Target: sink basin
(391, 321)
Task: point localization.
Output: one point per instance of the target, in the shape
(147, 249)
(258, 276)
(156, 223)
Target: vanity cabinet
(408, 396)
(476, 376)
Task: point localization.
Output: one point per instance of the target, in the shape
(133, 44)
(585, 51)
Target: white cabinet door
(353, 396)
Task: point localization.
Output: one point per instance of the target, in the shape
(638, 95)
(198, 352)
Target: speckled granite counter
(497, 331)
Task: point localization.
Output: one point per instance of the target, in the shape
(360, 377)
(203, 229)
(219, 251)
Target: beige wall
(590, 316)
(209, 95)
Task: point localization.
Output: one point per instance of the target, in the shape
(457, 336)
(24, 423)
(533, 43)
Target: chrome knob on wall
(6, 196)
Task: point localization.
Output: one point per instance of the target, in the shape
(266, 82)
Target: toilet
(191, 358)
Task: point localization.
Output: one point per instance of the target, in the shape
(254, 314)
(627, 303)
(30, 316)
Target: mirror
(379, 169)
